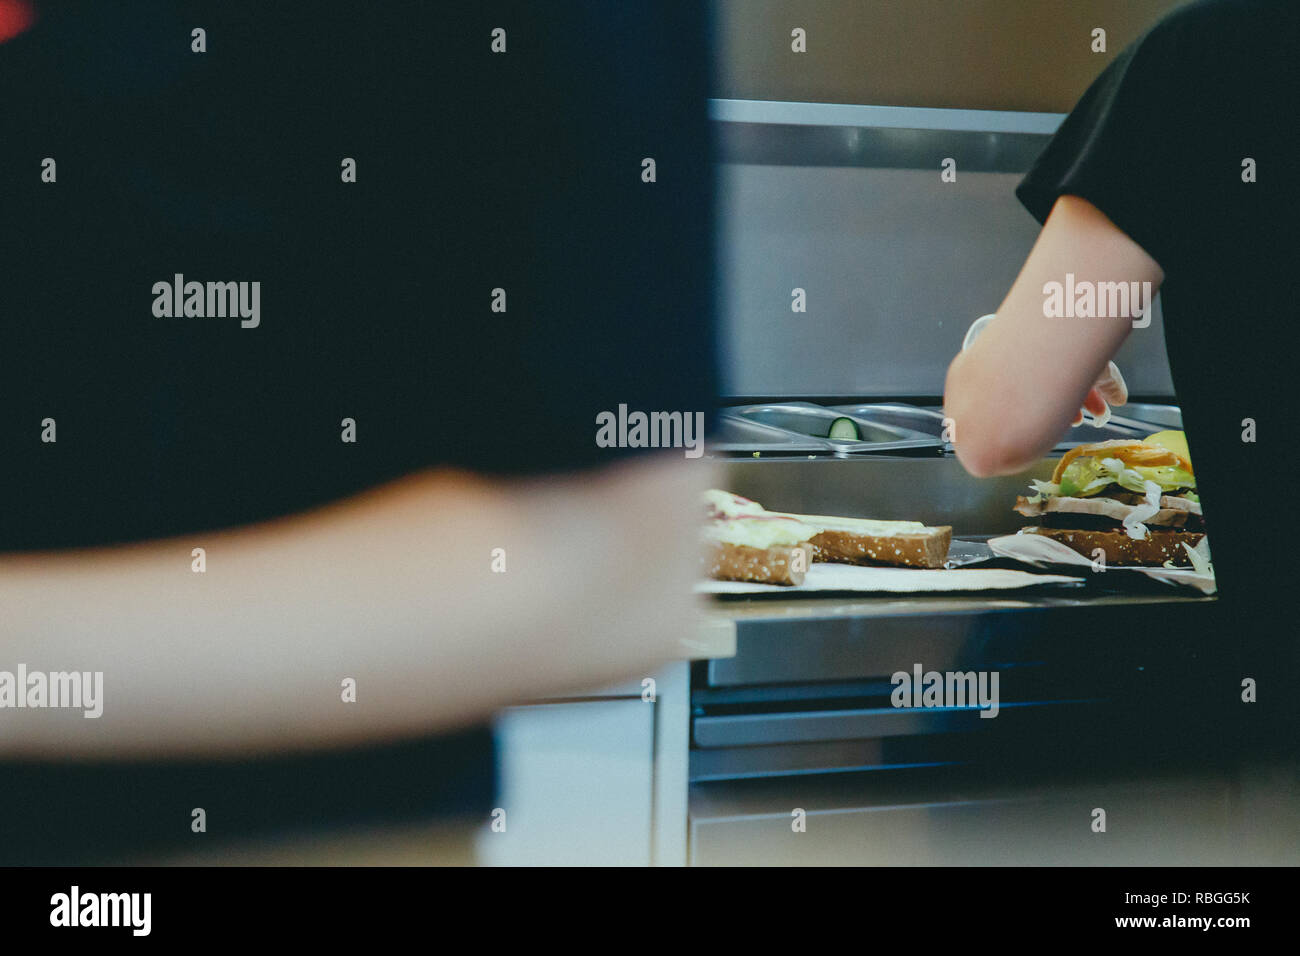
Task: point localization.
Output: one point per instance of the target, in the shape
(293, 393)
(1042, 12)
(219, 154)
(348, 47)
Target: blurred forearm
(393, 588)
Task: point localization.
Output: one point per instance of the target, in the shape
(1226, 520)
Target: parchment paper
(848, 577)
(1043, 552)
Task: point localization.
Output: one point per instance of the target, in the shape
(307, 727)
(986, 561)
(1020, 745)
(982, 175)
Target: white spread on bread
(732, 519)
(765, 531)
(878, 529)
(723, 504)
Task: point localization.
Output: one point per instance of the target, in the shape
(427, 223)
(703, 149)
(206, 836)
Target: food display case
(837, 410)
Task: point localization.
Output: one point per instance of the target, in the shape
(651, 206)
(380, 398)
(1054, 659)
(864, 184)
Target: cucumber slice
(844, 428)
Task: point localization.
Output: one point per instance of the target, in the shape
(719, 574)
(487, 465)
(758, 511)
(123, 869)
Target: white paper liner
(848, 577)
(1040, 552)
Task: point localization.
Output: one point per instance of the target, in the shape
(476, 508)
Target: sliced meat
(1173, 512)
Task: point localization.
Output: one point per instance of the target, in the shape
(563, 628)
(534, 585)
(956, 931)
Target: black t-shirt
(1160, 143)
(476, 171)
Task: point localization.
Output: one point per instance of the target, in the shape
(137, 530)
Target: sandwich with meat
(1134, 501)
(745, 542)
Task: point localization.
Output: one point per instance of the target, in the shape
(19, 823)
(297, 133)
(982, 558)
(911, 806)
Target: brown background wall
(971, 54)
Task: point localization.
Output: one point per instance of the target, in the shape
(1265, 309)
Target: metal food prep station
(774, 739)
(1109, 697)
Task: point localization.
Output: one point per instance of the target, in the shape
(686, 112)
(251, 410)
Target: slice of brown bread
(1123, 551)
(913, 549)
(870, 541)
(737, 562)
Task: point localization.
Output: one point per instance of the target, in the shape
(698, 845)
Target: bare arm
(393, 588)
(1021, 383)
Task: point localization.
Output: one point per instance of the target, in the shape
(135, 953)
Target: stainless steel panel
(783, 759)
(743, 730)
(895, 265)
(882, 117)
(841, 640)
(835, 756)
(803, 145)
(937, 491)
(1166, 416)
(842, 649)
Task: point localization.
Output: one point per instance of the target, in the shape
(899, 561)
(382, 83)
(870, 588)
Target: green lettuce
(1086, 476)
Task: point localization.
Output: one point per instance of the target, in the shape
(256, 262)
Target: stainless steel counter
(807, 689)
(858, 637)
(777, 608)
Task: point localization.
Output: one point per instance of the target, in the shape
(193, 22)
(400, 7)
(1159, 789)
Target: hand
(1108, 390)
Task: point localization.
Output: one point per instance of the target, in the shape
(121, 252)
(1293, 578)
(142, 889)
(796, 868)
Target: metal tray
(814, 421)
(734, 436)
(1166, 416)
(1117, 427)
(797, 428)
(927, 421)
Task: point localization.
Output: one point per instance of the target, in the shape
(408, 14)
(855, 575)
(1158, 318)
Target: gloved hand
(1108, 390)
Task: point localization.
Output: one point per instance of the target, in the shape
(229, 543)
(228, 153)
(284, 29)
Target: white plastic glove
(1108, 390)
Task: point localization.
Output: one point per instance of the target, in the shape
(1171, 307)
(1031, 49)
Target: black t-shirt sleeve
(1130, 145)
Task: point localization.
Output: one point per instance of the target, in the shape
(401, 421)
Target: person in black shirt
(495, 275)
(1176, 168)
